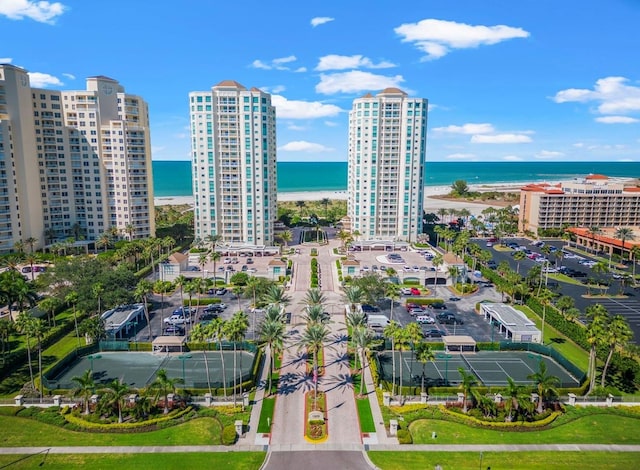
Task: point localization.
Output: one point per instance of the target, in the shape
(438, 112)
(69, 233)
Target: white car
(405, 291)
(177, 320)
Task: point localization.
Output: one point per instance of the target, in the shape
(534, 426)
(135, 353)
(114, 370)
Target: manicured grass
(504, 460)
(593, 429)
(567, 348)
(565, 278)
(19, 432)
(217, 460)
(366, 418)
(63, 347)
(266, 415)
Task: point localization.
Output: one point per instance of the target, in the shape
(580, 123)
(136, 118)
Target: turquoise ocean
(173, 178)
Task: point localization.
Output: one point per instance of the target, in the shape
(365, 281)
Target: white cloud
(41, 11)
(277, 63)
(579, 144)
(512, 158)
(158, 149)
(470, 128)
(295, 109)
(304, 146)
(460, 156)
(612, 94)
(43, 80)
(69, 76)
(355, 81)
(343, 62)
(330, 124)
(616, 119)
(500, 139)
(5, 60)
(437, 37)
(548, 154)
(181, 135)
(274, 90)
(300, 70)
(318, 20)
(294, 127)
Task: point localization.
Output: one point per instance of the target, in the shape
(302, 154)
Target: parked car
(425, 320)
(369, 308)
(415, 291)
(454, 299)
(221, 291)
(492, 264)
(449, 319)
(410, 305)
(438, 306)
(249, 260)
(434, 333)
(417, 311)
(208, 316)
(405, 291)
(218, 307)
(177, 320)
(174, 330)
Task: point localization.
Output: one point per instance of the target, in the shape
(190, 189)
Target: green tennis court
(138, 369)
(491, 368)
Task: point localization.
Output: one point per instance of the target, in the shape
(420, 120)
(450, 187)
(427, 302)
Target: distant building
(72, 163)
(233, 149)
(605, 240)
(387, 143)
(594, 201)
(510, 323)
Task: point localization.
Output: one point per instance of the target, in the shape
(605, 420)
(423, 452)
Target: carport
(511, 322)
(169, 344)
(460, 343)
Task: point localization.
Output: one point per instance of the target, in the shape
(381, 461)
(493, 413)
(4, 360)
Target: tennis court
(491, 368)
(138, 369)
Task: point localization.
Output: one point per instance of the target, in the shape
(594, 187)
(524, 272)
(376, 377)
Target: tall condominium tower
(387, 141)
(233, 146)
(72, 163)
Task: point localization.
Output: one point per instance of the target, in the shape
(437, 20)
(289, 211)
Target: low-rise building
(512, 324)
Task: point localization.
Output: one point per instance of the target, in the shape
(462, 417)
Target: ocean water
(173, 178)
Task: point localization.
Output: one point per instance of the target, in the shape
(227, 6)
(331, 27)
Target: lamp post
(446, 358)
(183, 358)
(91, 358)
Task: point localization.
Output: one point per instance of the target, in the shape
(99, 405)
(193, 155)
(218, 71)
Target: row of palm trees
(116, 394)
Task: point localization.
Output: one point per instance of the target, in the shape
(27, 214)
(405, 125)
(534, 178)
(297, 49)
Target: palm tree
(104, 240)
(85, 388)
(467, 381)
(518, 256)
(601, 268)
(403, 343)
(617, 334)
(437, 261)
(513, 394)
(594, 232)
(545, 383)
(276, 295)
(623, 234)
(98, 290)
(116, 393)
(354, 295)
(362, 339)
(202, 334)
(313, 337)
(635, 254)
(31, 241)
(180, 282)
(50, 305)
(325, 201)
(595, 332)
(393, 293)
(314, 297)
(213, 240)
(424, 354)
(142, 292)
(544, 298)
(391, 332)
(215, 257)
(315, 314)
(286, 237)
(6, 330)
(272, 333)
(72, 299)
(414, 333)
(24, 326)
(218, 329)
(37, 330)
(355, 319)
(236, 330)
(165, 385)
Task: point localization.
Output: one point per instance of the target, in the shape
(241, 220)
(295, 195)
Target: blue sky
(545, 80)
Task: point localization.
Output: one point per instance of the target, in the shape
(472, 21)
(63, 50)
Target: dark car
(454, 298)
(492, 264)
(369, 308)
(174, 330)
(221, 291)
(449, 319)
(434, 333)
(438, 306)
(208, 316)
(215, 308)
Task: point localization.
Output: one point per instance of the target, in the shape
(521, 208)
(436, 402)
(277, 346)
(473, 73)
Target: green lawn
(266, 415)
(366, 418)
(567, 348)
(28, 432)
(593, 429)
(217, 460)
(504, 460)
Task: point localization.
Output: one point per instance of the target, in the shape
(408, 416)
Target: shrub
(229, 435)
(404, 437)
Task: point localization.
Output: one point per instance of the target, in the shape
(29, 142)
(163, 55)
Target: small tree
(85, 388)
(164, 385)
(467, 381)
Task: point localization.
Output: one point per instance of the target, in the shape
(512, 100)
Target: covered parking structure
(511, 322)
(459, 343)
(167, 344)
(379, 245)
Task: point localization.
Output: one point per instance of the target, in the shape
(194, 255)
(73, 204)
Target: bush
(404, 437)
(229, 435)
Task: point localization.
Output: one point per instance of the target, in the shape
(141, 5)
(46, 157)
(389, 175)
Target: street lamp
(183, 358)
(446, 358)
(91, 358)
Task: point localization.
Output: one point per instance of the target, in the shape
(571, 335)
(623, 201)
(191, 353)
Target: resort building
(609, 240)
(593, 201)
(72, 163)
(387, 142)
(233, 147)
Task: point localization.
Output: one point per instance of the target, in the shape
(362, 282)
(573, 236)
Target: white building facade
(233, 146)
(387, 146)
(81, 161)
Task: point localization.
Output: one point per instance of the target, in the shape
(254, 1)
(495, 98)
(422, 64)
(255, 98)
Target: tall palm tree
(315, 314)
(276, 295)
(314, 297)
(272, 333)
(165, 385)
(595, 331)
(180, 282)
(635, 255)
(142, 292)
(85, 388)
(6, 330)
(31, 241)
(517, 257)
(424, 354)
(403, 343)
(218, 329)
(393, 293)
(513, 394)
(437, 261)
(414, 333)
(24, 326)
(362, 339)
(325, 201)
(116, 393)
(38, 329)
(202, 334)
(313, 337)
(98, 290)
(601, 268)
(594, 232)
(467, 381)
(50, 305)
(215, 257)
(623, 234)
(236, 329)
(286, 237)
(618, 334)
(213, 241)
(355, 319)
(545, 383)
(544, 298)
(391, 332)
(72, 299)
(354, 295)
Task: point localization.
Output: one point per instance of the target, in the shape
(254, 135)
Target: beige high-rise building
(80, 161)
(233, 147)
(593, 201)
(387, 144)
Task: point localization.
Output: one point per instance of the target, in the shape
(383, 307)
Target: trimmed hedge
(229, 435)
(111, 427)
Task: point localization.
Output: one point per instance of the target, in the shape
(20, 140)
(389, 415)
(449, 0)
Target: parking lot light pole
(91, 358)
(446, 358)
(183, 358)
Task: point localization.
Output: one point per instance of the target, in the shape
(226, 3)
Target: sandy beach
(430, 204)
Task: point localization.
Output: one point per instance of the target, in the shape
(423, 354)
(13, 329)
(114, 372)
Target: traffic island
(315, 430)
